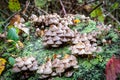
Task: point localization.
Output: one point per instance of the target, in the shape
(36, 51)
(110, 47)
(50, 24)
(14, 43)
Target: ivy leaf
(14, 5)
(13, 34)
(2, 65)
(11, 61)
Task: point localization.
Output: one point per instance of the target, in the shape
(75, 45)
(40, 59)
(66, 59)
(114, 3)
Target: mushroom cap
(61, 35)
(55, 45)
(31, 58)
(40, 69)
(58, 42)
(53, 74)
(56, 38)
(29, 66)
(59, 31)
(75, 51)
(75, 41)
(48, 33)
(56, 62)
(33, 68)
(47, 70)
(50, 42)
(60, 70)
(64, 40)
(27, 62)
(53, 28)
(20, 64)
(69, 74)
(24, 68)
(18, 59)
(80, 45)
(53, 34)
(67, 65)
(16, 69)
(81, 52)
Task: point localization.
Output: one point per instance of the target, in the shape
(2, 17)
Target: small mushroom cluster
(57, 66)
(23, 64)
(86, 43)
(57, 35)
(84, 48)
(50, 19)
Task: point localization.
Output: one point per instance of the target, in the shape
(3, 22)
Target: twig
(96, 7)
(26, 6)
(111, 16)
(63, 8)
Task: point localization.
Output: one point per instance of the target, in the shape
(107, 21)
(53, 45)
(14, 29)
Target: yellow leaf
(2, 65)
(10, 41)
(66, 56)
(76, 21)
(20, 44)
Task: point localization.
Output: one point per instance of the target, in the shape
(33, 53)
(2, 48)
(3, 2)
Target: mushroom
(81, 52)
(47, 70)
(50, 42)
(27, 62)
(40, 69)
(20, 64)
(53, 74)
(56, 38)
(58, 42)
(48, 33)
(18, 59)
(33, 68)
(54, 45)
(24, 68)
(69, 74)
(59, 70)
(16, 69)
(53, 28)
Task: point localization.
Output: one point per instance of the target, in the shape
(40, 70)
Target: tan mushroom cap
(50, 41)
(16, 69)
(24, 68)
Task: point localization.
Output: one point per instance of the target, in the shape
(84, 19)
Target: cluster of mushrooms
(57, 35)
(43, 21)
(58, 66)
(25, 64)
(86, 43)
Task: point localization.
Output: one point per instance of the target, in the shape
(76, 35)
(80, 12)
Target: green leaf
(1, 30)
(97, 12)
(28, 23)
(101, 18)
(40, 3)
(13, 34)
(87, 64)
(115, 5)
(11, 61)
(80, 1)
(14, 5)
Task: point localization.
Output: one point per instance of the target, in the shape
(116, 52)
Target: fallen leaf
(76, 21)
(2, 65)
(20, 44)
